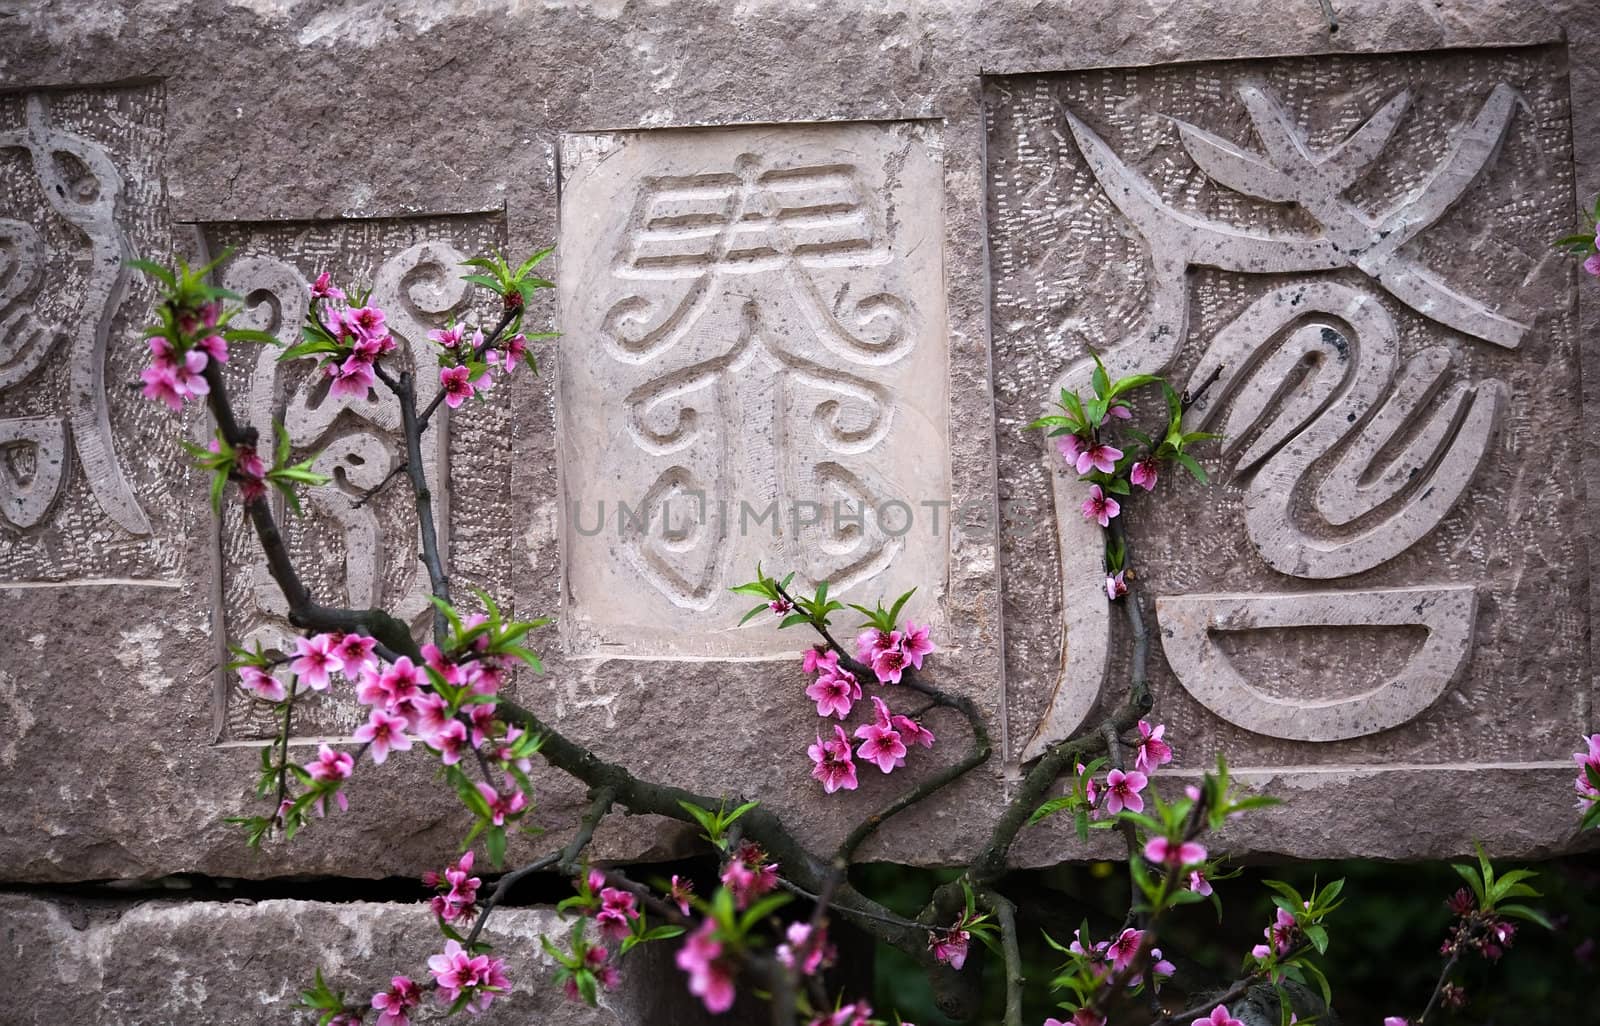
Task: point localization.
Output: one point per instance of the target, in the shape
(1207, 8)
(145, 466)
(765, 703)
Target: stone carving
(768, 375)
(75, 171)
(349, 548)
(1353, 430)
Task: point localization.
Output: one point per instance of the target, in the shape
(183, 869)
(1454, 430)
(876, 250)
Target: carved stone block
(83, 493)
(760, 372)
(1383, 571)
(345, 544)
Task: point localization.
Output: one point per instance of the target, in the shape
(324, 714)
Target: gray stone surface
(246, 962)
(344, 118)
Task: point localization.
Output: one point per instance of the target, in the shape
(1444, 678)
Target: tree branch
(503, 887)
(1005, 914)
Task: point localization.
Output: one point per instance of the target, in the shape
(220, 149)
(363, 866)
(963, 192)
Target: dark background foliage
(1383, 960)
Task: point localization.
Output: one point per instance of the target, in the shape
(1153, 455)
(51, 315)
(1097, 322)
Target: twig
(283, 749)
(372, 493)
(1438, 988)
(488, 343)
(877, 917)
(503, 887)
(1188, 399)
(412, 428)
(1328, 15)
(602, 797)
(1006, 914)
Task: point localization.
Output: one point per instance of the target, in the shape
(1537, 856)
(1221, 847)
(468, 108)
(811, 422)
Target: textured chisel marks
(358, 555)
(86, 489)
(1360, 245)
(754, 368)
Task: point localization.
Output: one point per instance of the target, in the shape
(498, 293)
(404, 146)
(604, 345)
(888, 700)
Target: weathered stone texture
(1396, 355)
(367, 554)
(762, 379)
(329, 133)
(245, 962)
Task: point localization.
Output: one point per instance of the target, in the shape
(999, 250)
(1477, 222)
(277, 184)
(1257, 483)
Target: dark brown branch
(1005, 913)
(438, 581)
(304, 611)
(602, 797)
(373, 492)
(283, 749)
(503, 887)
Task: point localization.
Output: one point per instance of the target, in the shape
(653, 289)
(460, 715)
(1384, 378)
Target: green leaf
(1318, 936)
(487, 282)
(494, 845)
(757, 611)
(1524, 912)
(1052, 807)
(533, 261)
(1100, 380)
(251, 335)
(1474, 881)
(1191, 466)
(310, 347)
(794, 619)
(156, 271)
(899, 604)
(1131, 382)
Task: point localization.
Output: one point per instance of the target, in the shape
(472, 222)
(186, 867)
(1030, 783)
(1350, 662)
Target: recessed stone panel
(753, 367)
(1358, 249)
(84, 492)
(347, 544)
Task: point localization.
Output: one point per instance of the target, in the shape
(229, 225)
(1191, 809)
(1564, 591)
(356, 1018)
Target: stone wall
(812, 255)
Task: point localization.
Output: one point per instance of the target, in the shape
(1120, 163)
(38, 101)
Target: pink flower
(450, 336)
(889, 663)
(710, 975)
(402, 996)
(368, 321)
(872, 641)
(263, 684)
(315, 660)
(1153, 751)
(1071, 447)
(748, 875)
(324, 288)
(880, 742)
(330, 765)
(834, 765)
(161, 384)
(1124, 948)
(1198, 883)
(354, 652)
(1122, 791)
(449, 740)
(1158, 966)
(1100, 507)
(1219, 1017)
(1394, 1020)
(803, 951)
(914, 642)
(912, 732)
(1143, 473)
(1116, 585)
(457, 388)
(353, 378)
(1281, 933)
(457, 972)
(191, 380)
(384, 732)
(1120, 412)
(367, 350)
(781, 606)
(397, 688)
(835, 691)
(215, 347)
(1100, 456)
(516, 350)
(1592, 265)
(1162, 851)
(680, 892)
(950, 946)
(1585, 760)
(162, 354)
(503, 806)
(616, 915)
